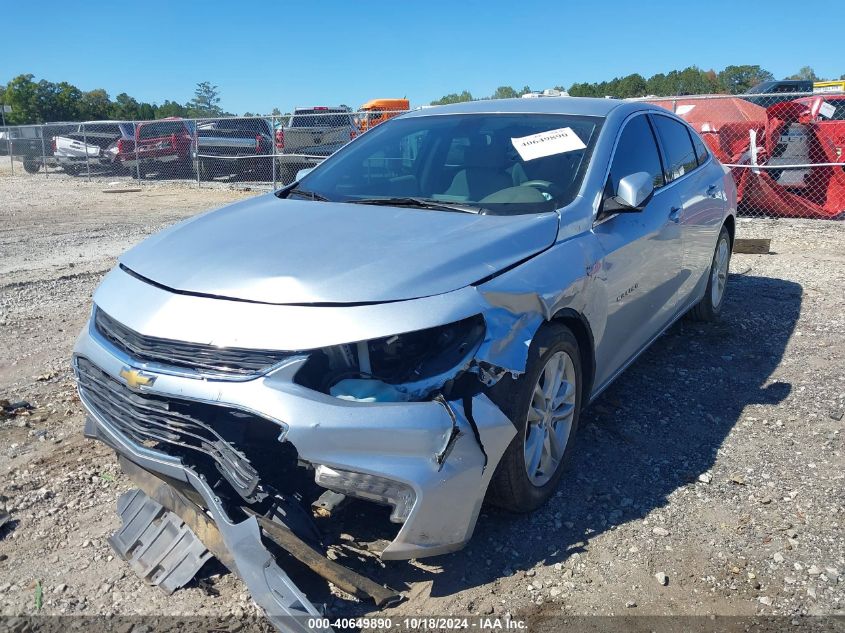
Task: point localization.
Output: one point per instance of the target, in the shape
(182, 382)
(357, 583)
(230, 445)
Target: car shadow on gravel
(656, 429)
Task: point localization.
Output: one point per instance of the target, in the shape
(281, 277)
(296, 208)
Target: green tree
(633, 85)
(582, 90)
(170, 109)
(206, 101)
(453, 98)
(22, 95)
(738, 79)
(125, 108)
(504, 92)
(657, 84)
(95, 105)
(806, 73)
(146, 111)
(63, 103)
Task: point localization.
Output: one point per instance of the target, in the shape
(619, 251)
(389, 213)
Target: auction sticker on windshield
(547, 143)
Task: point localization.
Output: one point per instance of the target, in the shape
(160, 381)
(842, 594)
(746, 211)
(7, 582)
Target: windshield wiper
(419, 203)
(313, 195)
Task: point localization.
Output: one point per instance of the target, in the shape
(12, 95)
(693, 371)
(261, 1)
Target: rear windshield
(500, 163)
(253, 126)
(101, 130)
(161, 128)
(320, 118)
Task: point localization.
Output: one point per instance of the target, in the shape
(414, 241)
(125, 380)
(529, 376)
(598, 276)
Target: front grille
(207, 359)
(176, 427)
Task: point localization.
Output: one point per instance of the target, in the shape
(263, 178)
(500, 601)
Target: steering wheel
(546, 187)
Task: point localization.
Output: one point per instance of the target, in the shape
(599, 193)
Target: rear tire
(205, 170)
(287, 174)
(524, 478)
(710, 307)
(31, 166)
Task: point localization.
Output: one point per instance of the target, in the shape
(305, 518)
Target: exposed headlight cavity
(401, 367)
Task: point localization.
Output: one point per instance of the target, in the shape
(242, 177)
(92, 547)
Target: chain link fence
(785, 150)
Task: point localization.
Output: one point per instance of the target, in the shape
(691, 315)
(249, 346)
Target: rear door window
(701, 152)
(677, 147)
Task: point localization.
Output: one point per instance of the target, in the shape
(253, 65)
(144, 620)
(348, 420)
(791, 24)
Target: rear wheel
(205, 170)
(31, 166)
(710, 306)
(287, 174)
(544, 405)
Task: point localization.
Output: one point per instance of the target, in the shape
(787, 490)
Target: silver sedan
(417, 323)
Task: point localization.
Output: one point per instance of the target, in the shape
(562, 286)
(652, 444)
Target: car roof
(545, 105)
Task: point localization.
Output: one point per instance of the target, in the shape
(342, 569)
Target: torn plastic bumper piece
(157, 544)
(165, 498)
(287, 608)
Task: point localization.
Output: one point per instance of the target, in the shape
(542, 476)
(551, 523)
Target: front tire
(544, 405)
(710, 306)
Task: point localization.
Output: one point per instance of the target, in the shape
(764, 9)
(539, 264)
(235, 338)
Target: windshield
(498, 163)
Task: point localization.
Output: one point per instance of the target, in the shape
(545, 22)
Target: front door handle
(675, 214)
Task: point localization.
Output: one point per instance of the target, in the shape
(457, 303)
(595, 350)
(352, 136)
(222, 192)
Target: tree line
(42, 101)
(691, 80)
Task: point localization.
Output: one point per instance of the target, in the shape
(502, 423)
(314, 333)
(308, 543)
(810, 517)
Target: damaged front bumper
(441, 453)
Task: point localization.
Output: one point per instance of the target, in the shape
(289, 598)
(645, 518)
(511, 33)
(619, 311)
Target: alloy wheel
(550, 416)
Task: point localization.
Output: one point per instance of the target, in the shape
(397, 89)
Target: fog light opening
(400, 497)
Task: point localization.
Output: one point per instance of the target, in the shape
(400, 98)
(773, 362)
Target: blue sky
(283, 54)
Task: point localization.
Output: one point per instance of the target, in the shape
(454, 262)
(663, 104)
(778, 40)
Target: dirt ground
(707, 480)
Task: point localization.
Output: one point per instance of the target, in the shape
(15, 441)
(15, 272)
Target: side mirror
(303, 172)
(632, 194)
(635, 190)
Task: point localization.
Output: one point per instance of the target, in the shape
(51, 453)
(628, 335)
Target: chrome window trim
(624, 124)
(660, 152)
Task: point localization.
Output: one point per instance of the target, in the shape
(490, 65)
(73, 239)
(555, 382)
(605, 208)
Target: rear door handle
(713, 191)
(675, 214)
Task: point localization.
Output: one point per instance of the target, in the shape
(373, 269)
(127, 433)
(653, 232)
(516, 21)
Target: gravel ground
(707, 480)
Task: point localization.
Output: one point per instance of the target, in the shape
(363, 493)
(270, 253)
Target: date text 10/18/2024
(420, 623)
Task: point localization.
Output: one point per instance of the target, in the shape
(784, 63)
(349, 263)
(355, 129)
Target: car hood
(280, 251)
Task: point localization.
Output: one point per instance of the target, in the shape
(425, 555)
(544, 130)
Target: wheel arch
(730, 224)
(580, 328)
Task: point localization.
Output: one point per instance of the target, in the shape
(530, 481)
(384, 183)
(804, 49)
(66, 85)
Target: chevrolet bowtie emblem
(135, 379)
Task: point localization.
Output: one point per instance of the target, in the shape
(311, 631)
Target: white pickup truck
(96, 143)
